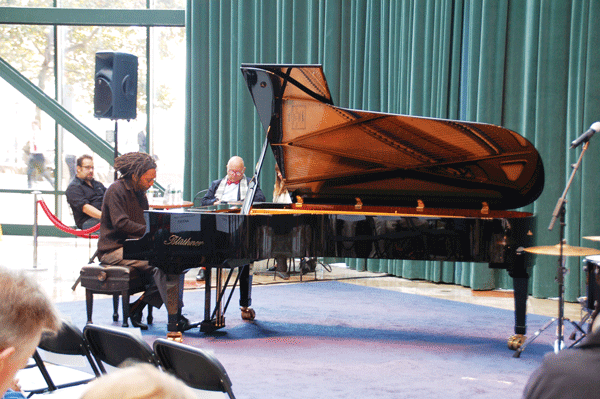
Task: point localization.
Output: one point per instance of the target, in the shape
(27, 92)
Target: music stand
(559, 213)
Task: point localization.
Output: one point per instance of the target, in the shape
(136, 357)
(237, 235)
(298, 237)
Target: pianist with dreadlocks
(123, 218)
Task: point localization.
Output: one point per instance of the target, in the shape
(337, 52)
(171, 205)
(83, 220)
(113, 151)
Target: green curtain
(527, 65)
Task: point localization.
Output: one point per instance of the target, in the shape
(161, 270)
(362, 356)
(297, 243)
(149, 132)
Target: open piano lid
(334, 155)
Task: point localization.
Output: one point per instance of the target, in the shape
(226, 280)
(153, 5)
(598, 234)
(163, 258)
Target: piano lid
(329, 154)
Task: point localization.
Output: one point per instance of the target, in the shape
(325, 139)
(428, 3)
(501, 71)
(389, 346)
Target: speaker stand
(116, 149)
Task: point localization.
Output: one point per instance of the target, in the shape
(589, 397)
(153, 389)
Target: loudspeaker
(115, 89)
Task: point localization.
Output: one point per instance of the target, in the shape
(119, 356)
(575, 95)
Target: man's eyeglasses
(87, 167)
(235, 172)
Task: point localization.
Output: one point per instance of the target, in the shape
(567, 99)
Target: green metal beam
(27, 230)
(56, 111)
(82, 16)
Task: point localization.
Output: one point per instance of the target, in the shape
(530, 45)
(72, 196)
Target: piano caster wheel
(176, 336)
(515, 341)
(248, 313)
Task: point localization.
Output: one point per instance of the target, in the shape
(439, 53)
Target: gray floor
(55, 263)
(59, 260)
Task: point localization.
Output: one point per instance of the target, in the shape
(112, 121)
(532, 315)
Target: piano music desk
(161, 205)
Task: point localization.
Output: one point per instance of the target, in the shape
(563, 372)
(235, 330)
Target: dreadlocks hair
(134, 164)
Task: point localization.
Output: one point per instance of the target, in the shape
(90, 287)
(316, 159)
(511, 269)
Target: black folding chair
(67, 341)
(113, 346)
(196, 367)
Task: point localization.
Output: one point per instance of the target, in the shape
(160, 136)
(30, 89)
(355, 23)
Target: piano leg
(517, 265)
(173, 305)
(245, 286)
(520, 292)
(246, 293)
(520, 285)
(207, 324)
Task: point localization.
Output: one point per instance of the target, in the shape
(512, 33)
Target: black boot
(135, 314)
(183, 324)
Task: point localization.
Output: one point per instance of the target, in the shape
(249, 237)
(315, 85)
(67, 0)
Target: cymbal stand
(560, 278)
(559, 212)
(588, 317)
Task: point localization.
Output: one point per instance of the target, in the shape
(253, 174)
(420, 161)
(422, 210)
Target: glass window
(130, 4)
(35, 151)
(28, 134)
(169, 4)
(167, 131)
(26, 3)
(18, 208)
(79, 54)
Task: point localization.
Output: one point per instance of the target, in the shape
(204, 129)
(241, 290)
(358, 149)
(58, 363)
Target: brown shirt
(122, 216)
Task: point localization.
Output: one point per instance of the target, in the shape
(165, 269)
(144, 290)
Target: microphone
(585, 137)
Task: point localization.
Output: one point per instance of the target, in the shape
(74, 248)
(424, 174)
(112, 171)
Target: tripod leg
(578, 328)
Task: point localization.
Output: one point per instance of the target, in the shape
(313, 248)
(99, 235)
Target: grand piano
(364, 185)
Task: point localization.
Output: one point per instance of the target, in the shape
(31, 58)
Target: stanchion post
(35, 227)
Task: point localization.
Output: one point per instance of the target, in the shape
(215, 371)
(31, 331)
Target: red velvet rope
(61, 226)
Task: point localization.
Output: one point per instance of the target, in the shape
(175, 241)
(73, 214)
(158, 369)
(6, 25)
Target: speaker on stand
(115, 88)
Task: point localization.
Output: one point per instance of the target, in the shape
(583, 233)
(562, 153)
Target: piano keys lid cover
(329, 154)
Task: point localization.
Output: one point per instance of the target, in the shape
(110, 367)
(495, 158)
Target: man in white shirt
(233, 187)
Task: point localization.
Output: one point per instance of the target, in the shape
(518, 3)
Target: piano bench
(111, 280)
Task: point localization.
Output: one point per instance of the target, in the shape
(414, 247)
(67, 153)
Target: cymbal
(567, 250)
(592, 238)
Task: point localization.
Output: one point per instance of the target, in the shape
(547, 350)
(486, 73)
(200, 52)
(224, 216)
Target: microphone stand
(199, 193)
(559, 213)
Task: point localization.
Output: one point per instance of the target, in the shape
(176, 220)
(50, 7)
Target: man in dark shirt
(123, 218)
(85, 194)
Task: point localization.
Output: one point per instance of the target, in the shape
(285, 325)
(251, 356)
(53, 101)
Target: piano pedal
(248, 313)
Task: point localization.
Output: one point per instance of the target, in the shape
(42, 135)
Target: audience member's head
(139, 167)
(25, 312)
(570, 373)
(138, 381)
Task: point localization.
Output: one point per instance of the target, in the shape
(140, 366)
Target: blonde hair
(138, 381)
(279, 186)
(25, 309)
